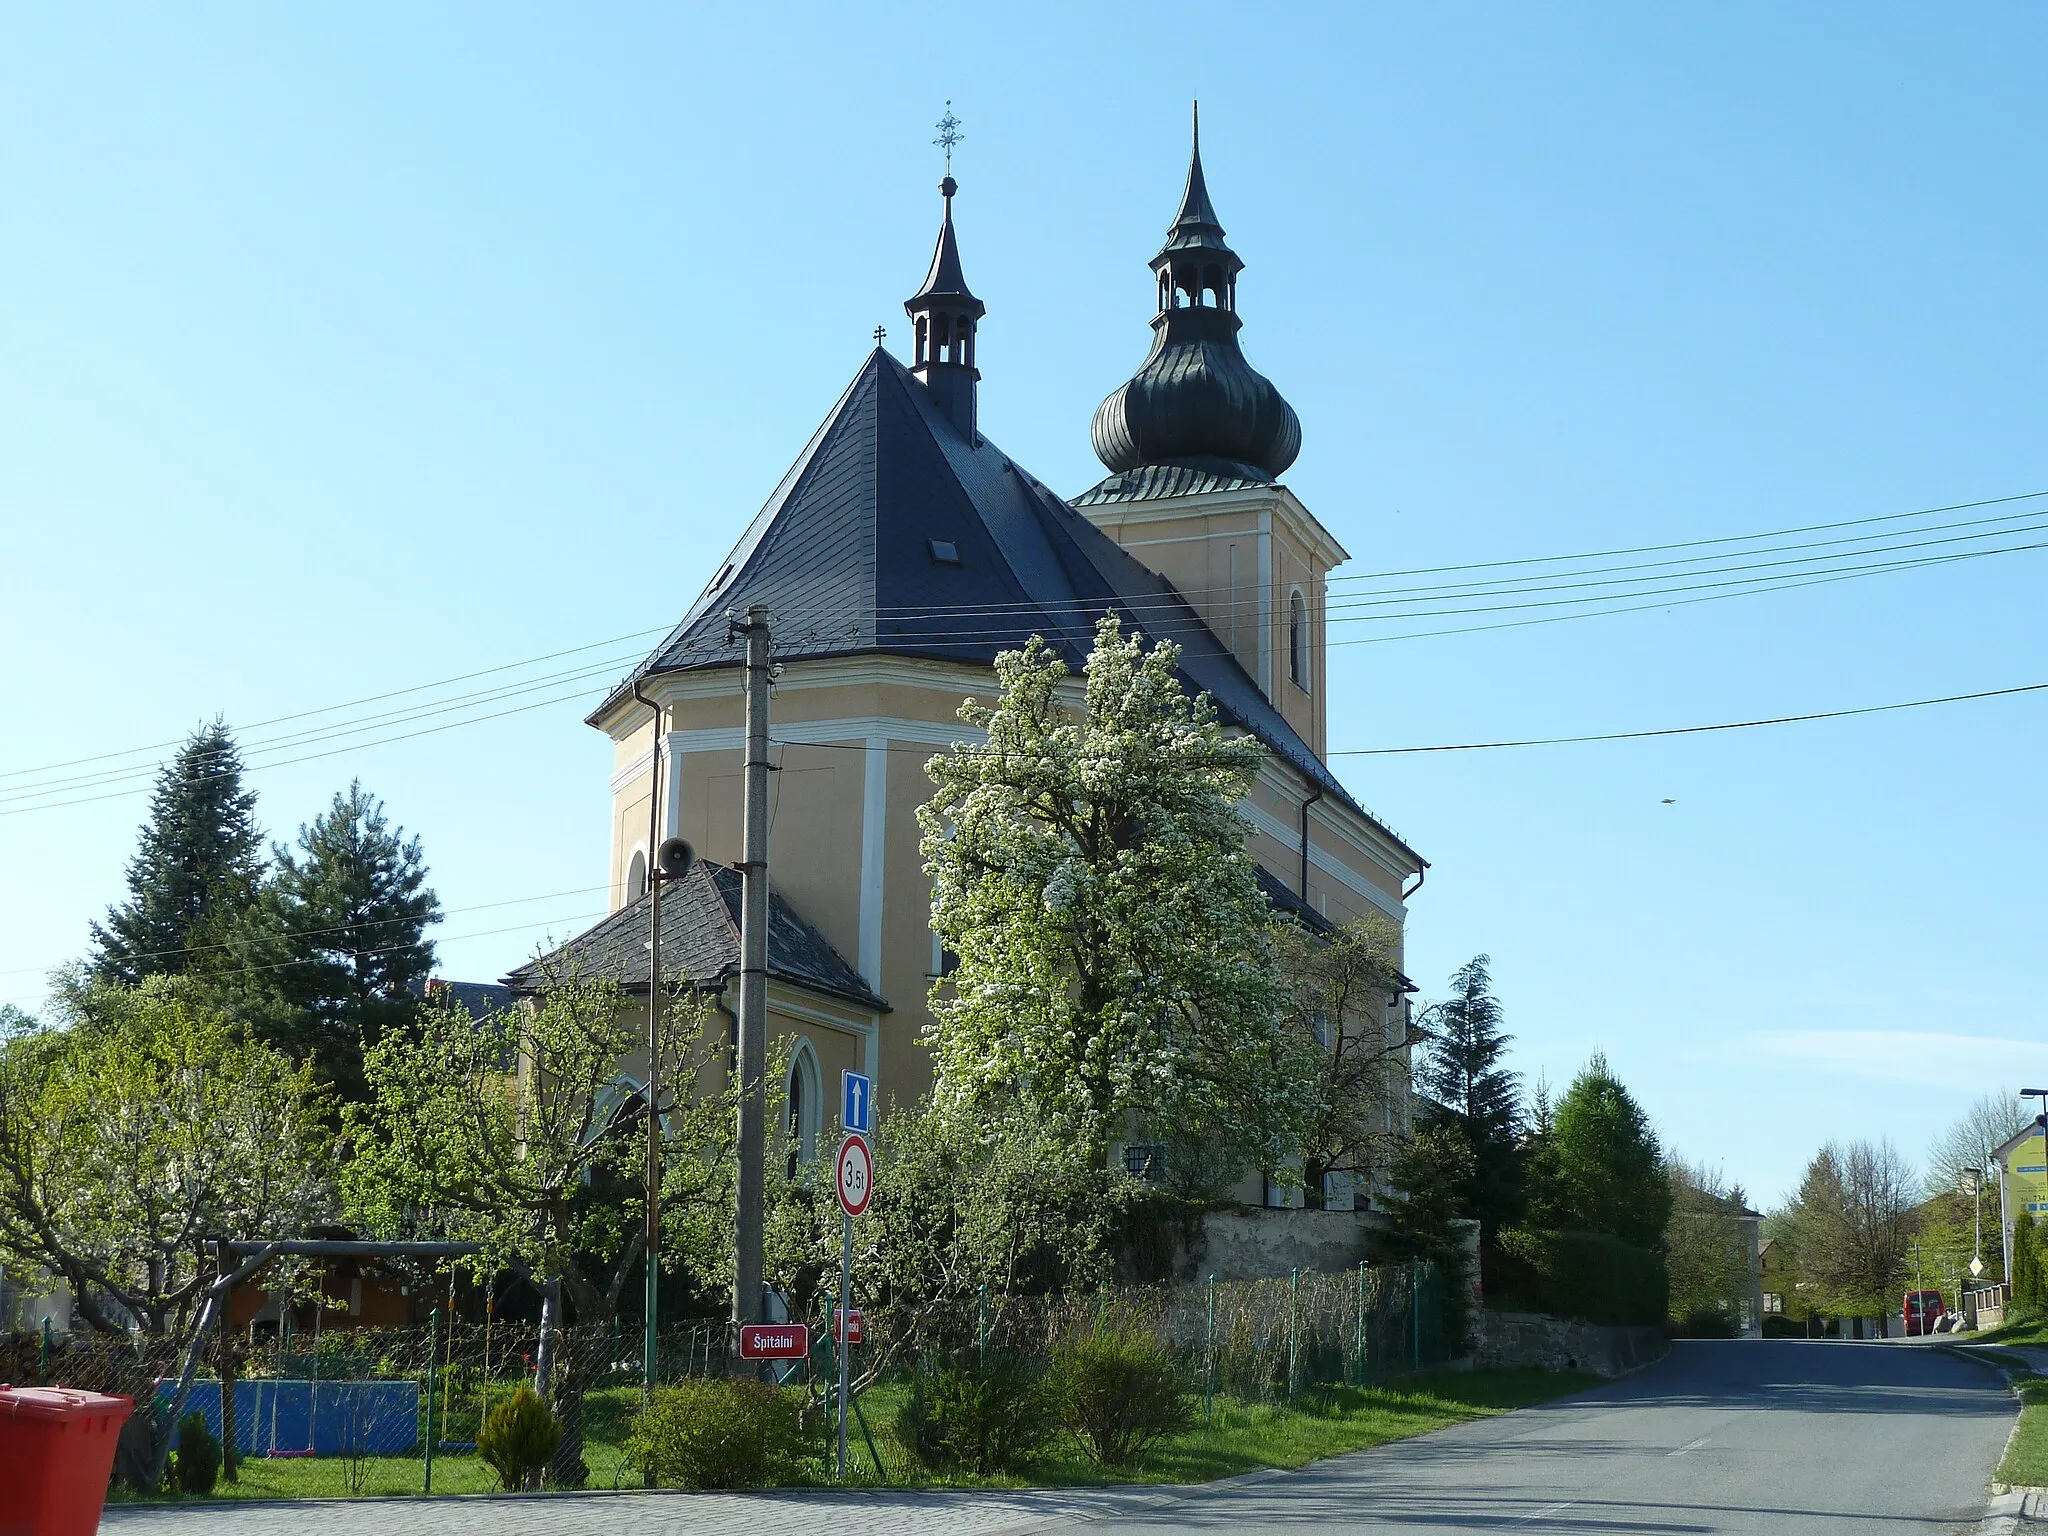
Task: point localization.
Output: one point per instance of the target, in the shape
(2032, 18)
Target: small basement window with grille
(944, 552)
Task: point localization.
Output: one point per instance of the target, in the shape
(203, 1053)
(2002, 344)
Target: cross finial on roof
(949, 135)
(880, 332)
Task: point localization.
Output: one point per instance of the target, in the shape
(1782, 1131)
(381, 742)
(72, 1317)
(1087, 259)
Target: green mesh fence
(342, 1412)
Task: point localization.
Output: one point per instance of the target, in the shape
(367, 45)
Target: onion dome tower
(944, 317)
(1196, 405)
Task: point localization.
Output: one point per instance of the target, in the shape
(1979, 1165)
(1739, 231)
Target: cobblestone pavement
(887, 1513)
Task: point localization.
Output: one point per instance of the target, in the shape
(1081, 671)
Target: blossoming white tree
(1116, 960)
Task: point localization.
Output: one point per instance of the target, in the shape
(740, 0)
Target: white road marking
(1690, 1445)
(1545, 1514)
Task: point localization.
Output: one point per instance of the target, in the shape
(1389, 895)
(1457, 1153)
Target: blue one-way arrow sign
(856, 1102)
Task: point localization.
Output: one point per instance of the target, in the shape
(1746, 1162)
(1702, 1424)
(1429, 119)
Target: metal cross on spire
(949, 135)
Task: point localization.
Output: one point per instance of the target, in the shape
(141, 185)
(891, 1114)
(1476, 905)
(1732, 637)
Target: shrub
(1586, 1275)
(1706, 1321)
(985, 1416)
(1120, 1394)
(518, 1439)
(715, 1432)
(197, 1463)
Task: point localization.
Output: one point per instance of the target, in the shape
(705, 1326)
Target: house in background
(2021, 1165)
(898, 556)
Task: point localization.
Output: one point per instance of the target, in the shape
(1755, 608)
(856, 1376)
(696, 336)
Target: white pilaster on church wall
(874, 823)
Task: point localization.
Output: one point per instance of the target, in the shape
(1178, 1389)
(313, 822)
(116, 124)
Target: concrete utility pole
(753, 1042)
(651, 1234)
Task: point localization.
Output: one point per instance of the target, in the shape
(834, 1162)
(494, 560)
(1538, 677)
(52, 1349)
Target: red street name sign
(774, 1341)
(848, 1325)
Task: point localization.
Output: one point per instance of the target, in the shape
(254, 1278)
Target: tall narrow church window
(804, 1101)
(1297, 640)
(636, 875)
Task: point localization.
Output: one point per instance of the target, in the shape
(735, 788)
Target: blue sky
(346, 351)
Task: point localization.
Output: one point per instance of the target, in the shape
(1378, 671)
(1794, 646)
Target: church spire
(944, 316)
(1196, 401)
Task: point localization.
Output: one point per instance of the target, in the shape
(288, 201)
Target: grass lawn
(1240, 1437)
(2026, 1458)
(2032, 1330)
(1248, 1437)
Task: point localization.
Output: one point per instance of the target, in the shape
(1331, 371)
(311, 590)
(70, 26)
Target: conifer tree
(1469, 1094)
(198, 863)
(341, 933)
(2026, 1263)
(1605, 1167)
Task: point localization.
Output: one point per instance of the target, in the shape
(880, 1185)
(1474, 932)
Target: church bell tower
(944, 317)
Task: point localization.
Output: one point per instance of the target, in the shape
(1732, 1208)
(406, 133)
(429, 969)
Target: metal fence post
(1293, 1329)
(1209, 1367)
(981, 1323)
(43, 1357)
(1360, 1342)
(1415, 1306)
(1101, 1304)
(433, 1353)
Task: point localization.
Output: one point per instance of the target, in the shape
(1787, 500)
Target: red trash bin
(56, 1453)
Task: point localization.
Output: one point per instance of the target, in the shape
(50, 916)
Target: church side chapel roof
(700, 942)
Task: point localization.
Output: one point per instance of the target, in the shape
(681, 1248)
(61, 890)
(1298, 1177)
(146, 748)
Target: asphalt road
(1792, 1438)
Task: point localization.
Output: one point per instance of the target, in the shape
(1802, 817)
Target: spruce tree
(1469, 1094)
(344, 917)
(197, 865)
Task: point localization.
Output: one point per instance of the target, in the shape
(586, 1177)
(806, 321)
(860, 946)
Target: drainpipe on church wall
(1311, 800)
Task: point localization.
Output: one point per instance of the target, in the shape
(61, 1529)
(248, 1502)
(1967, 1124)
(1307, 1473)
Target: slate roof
(700, 942)
(851, 556)
(1155, 482)
(478, 999)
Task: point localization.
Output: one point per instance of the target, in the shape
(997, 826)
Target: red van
(1922, 1310)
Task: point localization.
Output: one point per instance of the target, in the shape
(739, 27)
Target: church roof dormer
(1196, 405)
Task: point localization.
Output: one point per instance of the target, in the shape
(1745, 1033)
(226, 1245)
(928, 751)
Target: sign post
(853, 1176)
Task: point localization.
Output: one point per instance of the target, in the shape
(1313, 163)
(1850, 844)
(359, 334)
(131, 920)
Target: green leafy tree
(1600, 1165)
(1116, 957)
(1004, 1203)
(1706, 1247)
(197, 865)
(520, 1132)
(1339, 989)
(1851, 1223)
(127, 1144)
(338, 938)
(1467, 1092)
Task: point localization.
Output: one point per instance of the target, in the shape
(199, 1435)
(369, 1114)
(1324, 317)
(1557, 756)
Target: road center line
(1545, 1514)
(1690, 1445)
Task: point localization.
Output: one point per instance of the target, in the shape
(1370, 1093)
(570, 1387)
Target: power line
(1699, 730)
(381, 922)
(1169, 616)
(453, 938)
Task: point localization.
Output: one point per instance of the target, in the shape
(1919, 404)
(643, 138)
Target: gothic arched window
(636, 875)
(1297, 639)
(804, 1103)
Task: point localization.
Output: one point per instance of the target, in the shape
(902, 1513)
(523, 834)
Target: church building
(900, 553)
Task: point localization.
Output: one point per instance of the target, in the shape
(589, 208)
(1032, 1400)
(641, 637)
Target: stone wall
(1503, 1339)
(1250, 1243)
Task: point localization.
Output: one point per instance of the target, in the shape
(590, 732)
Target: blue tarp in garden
(327, 1418)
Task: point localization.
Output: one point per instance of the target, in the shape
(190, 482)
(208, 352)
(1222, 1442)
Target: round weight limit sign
(854, 1174)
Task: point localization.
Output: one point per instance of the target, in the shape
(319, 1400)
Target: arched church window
(636, 875)
(1297, 639)
(917, 353)
(804, 1102)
